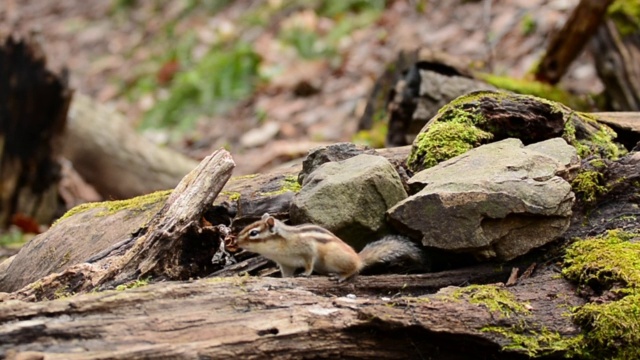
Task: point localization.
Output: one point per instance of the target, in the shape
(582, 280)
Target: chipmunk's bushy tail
(393, 254)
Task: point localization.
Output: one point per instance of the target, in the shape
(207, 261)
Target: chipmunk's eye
(254, 233)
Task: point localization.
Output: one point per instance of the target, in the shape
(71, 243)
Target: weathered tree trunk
(33, 112)
(567, 44)
(618, 66)
(282, 318)
(116, 160)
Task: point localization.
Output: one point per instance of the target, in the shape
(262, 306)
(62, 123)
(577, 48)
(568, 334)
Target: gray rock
(350, 198)
(567, 156)
(496, 201)
(334, 152)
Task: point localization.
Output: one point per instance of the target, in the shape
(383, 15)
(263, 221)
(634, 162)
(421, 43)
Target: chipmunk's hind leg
(308, 266)
(287, 271)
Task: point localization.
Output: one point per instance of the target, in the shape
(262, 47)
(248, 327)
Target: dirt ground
(106, 50)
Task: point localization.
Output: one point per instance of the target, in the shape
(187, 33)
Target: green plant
(221, 78)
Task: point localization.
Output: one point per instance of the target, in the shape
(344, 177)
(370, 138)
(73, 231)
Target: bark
(116, 160)
(279, 318)
(618, 65)
(567, 44)
(33, 111)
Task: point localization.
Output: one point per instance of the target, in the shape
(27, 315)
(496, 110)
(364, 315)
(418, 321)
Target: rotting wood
(247, 317)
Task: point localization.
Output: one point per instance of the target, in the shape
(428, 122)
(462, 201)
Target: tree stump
(33, 112)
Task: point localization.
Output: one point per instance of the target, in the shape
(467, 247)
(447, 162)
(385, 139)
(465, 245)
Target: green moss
(111, 207)
(538, 343)
(535, 88)
(133, 284)
(626, 15)
(606, 259)
(589, 184)
(598, 164)
(443, 141)
(611, 261)
(290, 183)
(494, 298)
(600, 143)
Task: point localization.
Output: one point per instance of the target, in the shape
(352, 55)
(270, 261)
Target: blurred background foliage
(183, 83)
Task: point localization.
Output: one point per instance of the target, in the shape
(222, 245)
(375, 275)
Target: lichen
(290, 183)
(133, 284)
(494, 298)
(589, 184)
(231, 195)
(608, 262)
(111, 207)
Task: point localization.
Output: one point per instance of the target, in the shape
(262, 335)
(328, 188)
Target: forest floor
(312, 85)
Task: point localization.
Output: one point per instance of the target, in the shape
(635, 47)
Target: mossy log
(292, 318)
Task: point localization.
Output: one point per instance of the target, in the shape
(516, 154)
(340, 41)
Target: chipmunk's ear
(271, 223)
(265, 216)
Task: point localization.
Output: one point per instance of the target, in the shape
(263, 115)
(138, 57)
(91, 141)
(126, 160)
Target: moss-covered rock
(488, 116)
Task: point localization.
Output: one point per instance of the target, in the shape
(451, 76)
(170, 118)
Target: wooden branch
(567, 44)
(282, 318)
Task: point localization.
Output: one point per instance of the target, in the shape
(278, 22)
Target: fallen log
(114, 158)
(286, 318)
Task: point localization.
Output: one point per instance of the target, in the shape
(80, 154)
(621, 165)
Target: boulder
(350, 198)
(334, 152)
(496, 201)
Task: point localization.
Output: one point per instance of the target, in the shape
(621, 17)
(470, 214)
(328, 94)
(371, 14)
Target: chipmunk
(317, 249)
